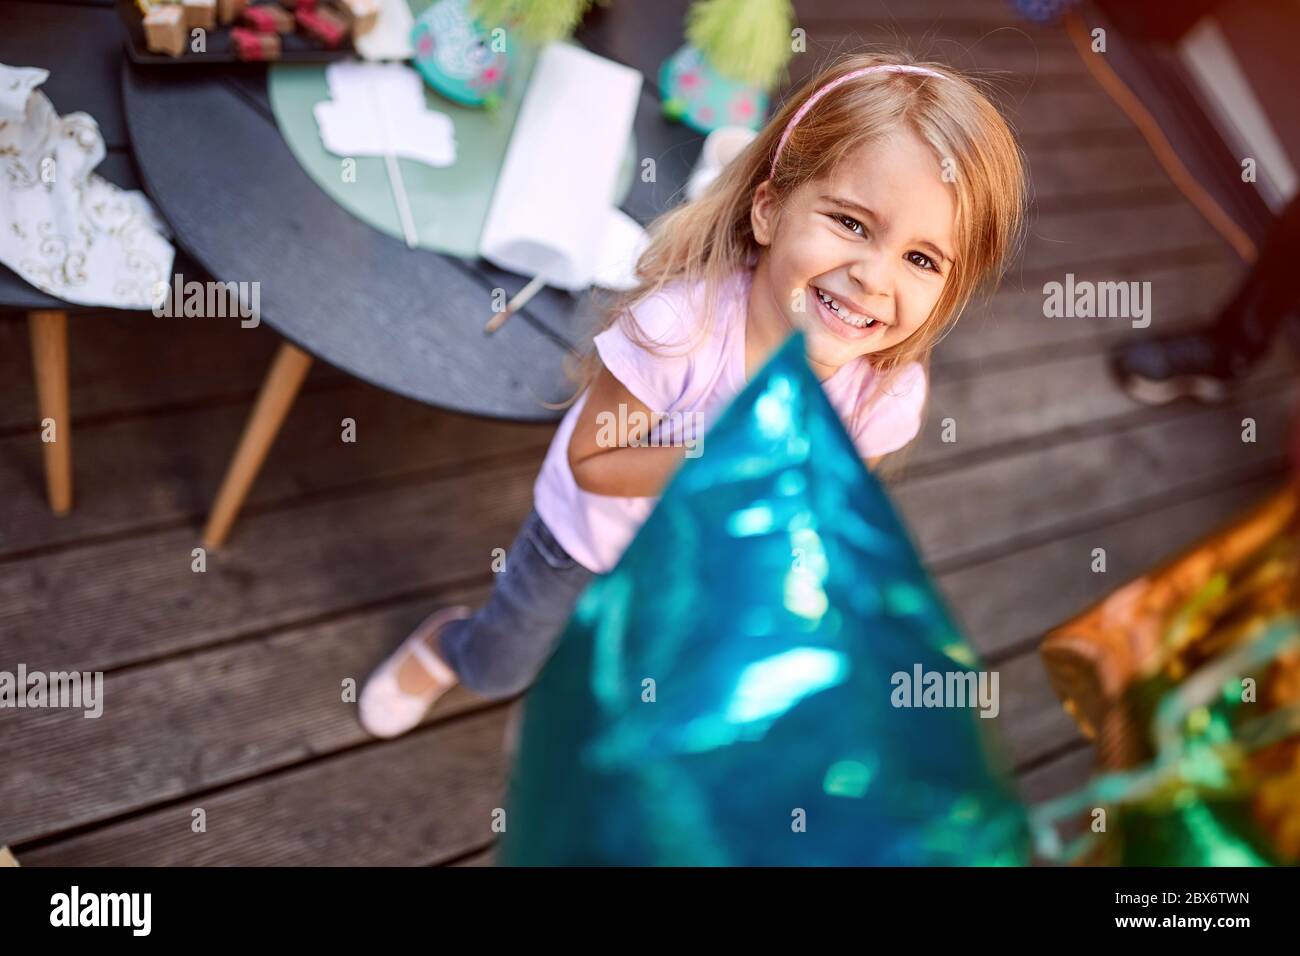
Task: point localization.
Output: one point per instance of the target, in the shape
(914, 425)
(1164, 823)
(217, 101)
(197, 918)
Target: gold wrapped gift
(1238, 575)
(1149, 635)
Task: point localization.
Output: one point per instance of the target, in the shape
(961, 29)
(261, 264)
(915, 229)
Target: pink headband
(839, 81)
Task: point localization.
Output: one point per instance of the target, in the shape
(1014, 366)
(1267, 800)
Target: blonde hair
(709, 239)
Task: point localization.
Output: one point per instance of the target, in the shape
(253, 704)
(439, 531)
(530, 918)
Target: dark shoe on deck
(1184, 365)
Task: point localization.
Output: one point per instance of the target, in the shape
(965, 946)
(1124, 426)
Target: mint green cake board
(449, 204)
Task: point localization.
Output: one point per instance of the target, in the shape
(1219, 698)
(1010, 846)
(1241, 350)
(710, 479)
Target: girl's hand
(624, 471)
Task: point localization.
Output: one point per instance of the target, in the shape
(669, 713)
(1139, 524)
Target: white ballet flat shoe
(384, 709)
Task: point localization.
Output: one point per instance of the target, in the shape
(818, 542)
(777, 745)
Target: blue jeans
(501, 649)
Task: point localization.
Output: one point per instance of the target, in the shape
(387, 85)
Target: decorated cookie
(455, 54)
(696, 94)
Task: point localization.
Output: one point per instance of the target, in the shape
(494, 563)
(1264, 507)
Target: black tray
(295, 47)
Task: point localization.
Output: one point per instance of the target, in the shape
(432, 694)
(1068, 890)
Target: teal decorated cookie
(454, 54)
(696, 94)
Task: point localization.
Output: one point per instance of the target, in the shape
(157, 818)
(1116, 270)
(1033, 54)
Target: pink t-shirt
(596, 529)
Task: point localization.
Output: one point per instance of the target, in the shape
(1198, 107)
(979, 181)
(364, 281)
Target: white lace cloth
(67, 231)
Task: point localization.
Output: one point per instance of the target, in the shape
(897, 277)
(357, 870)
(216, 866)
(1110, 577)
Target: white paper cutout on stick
(379, 108)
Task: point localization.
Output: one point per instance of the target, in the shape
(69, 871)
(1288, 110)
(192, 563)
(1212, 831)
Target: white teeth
(852, 318)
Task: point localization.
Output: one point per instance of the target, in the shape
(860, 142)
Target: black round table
(408, 320)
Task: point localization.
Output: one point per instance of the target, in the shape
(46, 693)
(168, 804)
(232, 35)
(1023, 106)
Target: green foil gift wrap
(755, 682)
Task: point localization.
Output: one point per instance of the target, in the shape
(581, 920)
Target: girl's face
(857, 260)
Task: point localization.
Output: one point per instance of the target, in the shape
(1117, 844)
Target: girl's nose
(873, 275)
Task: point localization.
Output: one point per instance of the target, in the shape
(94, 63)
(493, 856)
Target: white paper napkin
(551, 211)
(66, 230)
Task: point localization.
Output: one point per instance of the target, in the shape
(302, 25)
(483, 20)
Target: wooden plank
(1066, 773)
(239, 710)
(1061, 775)
(289, 564)
(1082, 111)
(1070, 392)
(1065, 113)
(425, 797)
(284, 690)
(1010, 602)
(1041, 111)
(1085, 177)
(1002, 54)
(1030, 720)
(1066, 242)
(943, 12)
(210, 719)
(205, 720)
(1026, 702)
(1038, 144)
(1012, 321)
(125, 363)
(270, 819)
(142, 472)
(105, 606)
(485, 857)
(421, 799)
(1021, 496)
(644, 35)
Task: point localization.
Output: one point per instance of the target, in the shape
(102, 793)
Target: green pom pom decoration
(538, 21)
(745, 40)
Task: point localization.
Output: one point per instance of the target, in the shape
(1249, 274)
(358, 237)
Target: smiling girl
(866, 215)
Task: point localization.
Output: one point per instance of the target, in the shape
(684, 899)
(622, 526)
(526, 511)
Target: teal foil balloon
(731, 693)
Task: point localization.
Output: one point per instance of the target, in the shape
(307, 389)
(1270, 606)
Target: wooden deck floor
(225, 685)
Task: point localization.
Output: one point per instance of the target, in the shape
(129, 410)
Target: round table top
(410, 321)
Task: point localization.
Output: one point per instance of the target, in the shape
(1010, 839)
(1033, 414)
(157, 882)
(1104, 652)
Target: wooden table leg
(273, 402)
(49, 335)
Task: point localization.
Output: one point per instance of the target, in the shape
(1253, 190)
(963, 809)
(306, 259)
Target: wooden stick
(399, 195)
(273, 403)
(535, 285)
(49, 335)
(395, 182)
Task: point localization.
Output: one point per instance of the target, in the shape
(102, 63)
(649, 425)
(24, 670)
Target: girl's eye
(849, 223)
(925, 261)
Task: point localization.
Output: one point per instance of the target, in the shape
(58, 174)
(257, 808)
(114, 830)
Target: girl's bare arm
(623, 471)
(611, 469)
